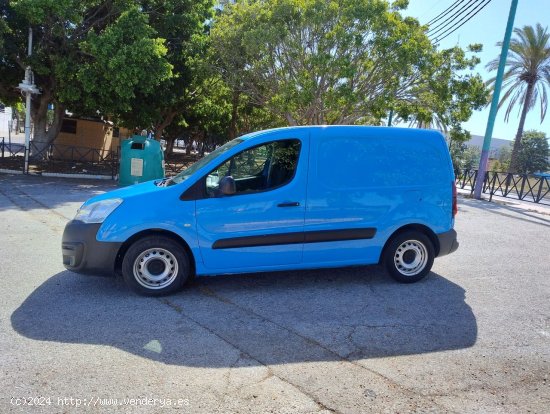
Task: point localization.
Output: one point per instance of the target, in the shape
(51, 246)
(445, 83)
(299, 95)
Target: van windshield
(185, 174)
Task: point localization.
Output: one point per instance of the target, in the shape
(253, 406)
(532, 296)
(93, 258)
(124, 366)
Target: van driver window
(260, 168)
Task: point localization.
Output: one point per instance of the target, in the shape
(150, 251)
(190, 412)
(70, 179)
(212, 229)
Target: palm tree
(527, 77)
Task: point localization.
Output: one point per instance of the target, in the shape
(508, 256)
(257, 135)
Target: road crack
(180, 311)
(391, 383)
(15, 196)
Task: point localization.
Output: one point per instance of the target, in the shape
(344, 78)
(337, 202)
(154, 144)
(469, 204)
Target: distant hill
(496, 144)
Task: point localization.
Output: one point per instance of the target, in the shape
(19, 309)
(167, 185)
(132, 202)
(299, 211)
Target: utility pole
(28, 87)
(494, 103)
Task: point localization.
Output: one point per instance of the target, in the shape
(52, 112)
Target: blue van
(281, 199)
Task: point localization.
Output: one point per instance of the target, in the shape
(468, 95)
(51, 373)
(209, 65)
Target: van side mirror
(227, 185)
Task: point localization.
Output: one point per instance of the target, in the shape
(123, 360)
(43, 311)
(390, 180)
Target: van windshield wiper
(165, 182)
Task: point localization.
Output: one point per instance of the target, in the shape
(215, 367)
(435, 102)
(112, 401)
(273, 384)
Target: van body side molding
(295, 238)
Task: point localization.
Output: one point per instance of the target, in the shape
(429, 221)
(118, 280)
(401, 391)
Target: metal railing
(11, 149)
(534, 188)
(69, 159)
(176, 162)
(57, 158)
(172, 167)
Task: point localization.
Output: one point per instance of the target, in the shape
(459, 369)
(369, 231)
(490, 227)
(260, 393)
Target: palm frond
(520, 93)
(543, 102)
(527, 63)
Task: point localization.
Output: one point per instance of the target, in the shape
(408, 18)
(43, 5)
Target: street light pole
(494, 103)
(28, 88)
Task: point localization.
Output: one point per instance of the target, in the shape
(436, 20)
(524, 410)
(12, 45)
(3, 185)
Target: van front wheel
(156, 266)
(409, 257)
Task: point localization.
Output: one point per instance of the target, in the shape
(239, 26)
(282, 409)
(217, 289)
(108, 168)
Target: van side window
(260, 168)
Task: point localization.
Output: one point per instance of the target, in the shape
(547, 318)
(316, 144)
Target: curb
(4, 171)
(60, 175)
(526, 206)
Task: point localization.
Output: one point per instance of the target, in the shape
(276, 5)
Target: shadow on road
(506, 210)
(275, 318)
(39, 193)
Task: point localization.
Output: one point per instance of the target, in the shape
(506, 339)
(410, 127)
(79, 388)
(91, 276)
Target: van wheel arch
(153, 232)
(412, 227)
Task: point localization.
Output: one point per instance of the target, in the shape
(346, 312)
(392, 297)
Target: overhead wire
(461, 22)
(456, 15)
(446, 11)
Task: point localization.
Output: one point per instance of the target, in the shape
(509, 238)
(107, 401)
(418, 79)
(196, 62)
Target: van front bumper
(447, 242)
(82, 253)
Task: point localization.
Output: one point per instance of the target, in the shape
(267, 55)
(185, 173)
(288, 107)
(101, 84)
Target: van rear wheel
(155, 266)
(409, 256)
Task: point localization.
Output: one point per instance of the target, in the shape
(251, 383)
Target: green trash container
(141, 159)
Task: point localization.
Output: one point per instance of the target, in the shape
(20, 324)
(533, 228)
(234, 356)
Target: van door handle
(289, 204)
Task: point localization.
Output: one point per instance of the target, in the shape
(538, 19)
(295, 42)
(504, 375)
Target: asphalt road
(474, 336)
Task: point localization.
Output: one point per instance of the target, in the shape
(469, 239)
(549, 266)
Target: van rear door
(365, 182)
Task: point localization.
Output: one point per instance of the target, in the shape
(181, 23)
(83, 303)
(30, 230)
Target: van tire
(409, 256)
(156, 266)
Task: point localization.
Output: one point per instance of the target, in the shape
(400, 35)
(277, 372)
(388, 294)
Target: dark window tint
(259, 168)
(69, 126)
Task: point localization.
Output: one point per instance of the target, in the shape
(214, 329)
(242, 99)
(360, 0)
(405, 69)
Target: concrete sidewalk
(512, 203)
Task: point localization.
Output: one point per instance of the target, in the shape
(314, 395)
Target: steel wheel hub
(155, 268)
(410, 258)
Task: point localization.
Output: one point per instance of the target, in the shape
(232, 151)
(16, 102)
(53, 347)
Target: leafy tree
(471, 158)
(502, 163)
(456, 149)
(443, 93)
(214, 116)
(206, 120)
(183, 23)
(526, 79)
(92, 56)
(315, 61)
(349, 61)
(534, 153)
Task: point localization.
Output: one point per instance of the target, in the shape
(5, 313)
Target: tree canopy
(344, 62)
(534, 153)
(96, 56)
(182, 67)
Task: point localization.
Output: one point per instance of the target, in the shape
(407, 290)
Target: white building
(5, 120)
(496, 144)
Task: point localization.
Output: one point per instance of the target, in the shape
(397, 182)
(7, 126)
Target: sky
(487, 28)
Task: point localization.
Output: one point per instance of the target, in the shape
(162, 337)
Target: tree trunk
(199, 138)
(165, 122)
(290, 119)
(517, 142)
(39, 116)
(43, 134)
(232, 132)
(189, 144)
(169, 145)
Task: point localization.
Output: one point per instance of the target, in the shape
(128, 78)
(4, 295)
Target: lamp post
(28, 88)
(494, 103)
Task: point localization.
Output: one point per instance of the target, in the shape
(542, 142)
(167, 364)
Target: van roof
(381, 130)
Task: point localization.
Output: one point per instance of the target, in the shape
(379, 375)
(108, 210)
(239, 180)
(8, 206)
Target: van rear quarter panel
(381, 178)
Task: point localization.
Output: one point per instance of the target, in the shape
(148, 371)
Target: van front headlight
(97, 212)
